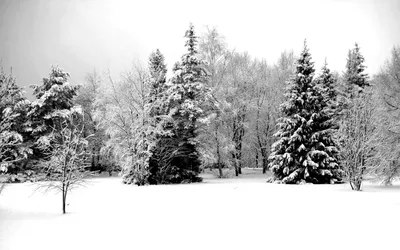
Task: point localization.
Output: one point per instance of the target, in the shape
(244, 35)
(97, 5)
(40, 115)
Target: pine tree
(304, 151)
(157, 110)
(53, 106)
(186, 97)
(355, 77)
(157, 88)
(12, 116)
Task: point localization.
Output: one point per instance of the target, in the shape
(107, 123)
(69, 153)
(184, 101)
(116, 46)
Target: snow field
(216, 214)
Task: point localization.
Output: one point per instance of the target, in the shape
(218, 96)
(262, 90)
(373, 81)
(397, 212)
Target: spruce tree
(157, 110)
(13, 106)
(355, 77)
(157, 84)
(52, 107)
(186, 96)
(304, 151)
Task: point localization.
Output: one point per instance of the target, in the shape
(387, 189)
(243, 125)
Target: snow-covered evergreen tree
(13, 107)
(305, 151)
(327, 82)
(54, 102)
(186, 93)
(355, 77)
(157, 108)
(53, 106)
(158, 74)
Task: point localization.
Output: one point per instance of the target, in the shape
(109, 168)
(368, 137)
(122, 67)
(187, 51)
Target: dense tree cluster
(218, 109)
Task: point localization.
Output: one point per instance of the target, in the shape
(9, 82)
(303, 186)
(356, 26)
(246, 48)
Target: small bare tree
(357, 139)
(67, 160)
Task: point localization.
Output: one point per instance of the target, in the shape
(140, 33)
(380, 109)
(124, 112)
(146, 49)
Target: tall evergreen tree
(157, 110)
(304, 151)
(187, 93)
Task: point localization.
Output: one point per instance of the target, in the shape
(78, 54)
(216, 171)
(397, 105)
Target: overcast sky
(80, 35)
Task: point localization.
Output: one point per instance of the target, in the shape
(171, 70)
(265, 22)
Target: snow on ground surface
(237, 213)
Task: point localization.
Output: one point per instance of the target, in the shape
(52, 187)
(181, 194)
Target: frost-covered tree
(53, 105)
(66, 161)
(87, 99)
(187, 94)
(13, 106)
(10, 141)
(122, 113)
(158, 75)
(357, 138)
(216, 144)
(355, 77)
(327, 82)
(157, 109)
(304, 151)
(387, 83)
(239, 94)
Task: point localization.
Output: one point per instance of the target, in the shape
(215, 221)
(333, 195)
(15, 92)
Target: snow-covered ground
(243, 213)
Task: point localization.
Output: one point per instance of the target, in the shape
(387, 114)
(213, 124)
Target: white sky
(80, 35)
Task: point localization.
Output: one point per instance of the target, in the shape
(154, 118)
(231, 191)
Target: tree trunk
(63, 205)
(265, 165)
(264, 160)
(218, 153)
(256, 158)
(238, 134)
(93, 164)
(64, 197)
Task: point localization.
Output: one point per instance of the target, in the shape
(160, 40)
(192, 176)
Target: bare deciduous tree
(67, 160)
(357, 138)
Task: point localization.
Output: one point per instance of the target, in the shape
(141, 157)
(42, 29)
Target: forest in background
(220, 109)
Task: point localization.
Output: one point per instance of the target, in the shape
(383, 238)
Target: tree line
(218, 109)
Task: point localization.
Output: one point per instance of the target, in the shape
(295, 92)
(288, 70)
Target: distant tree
(327, 82)
(355, 78)
(387, 84)
(239, 95)
(269, 95)
(187, 95)
(270, 86)
(214, 50)
(216, 145)
(66, 151)
(158, 75)
(304, 151)
(87, 97)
